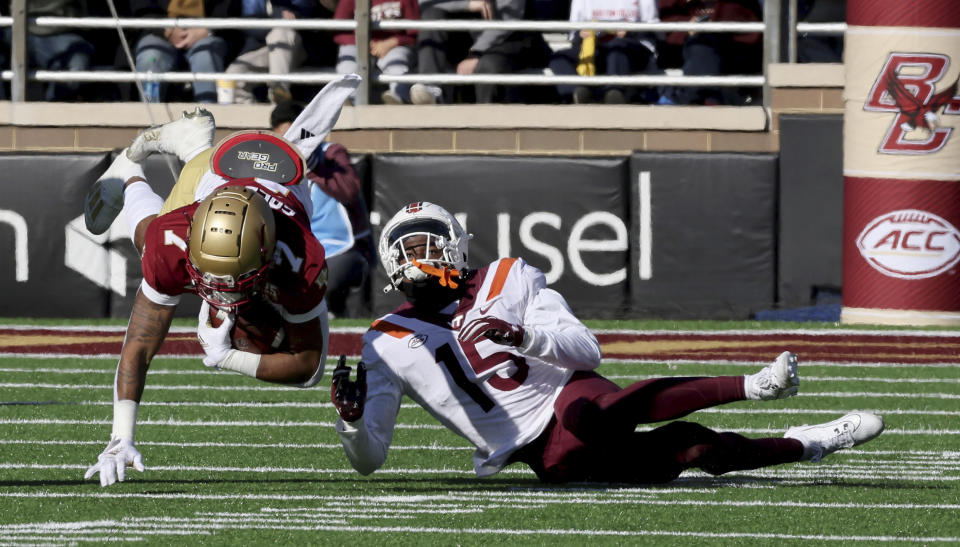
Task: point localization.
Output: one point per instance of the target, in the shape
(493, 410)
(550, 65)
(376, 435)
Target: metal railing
(18, 75)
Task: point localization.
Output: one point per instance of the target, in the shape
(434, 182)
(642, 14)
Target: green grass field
(234, 461)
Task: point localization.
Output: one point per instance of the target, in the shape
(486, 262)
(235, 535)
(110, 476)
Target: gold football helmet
(232, 238)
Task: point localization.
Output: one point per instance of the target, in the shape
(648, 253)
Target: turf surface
(231, 460)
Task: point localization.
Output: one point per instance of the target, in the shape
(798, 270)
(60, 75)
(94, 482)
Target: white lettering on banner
(94, 257)
(576, 244)
(552, 254)
(910, 244)
(503, 235)
(21, 258)
(645, 223)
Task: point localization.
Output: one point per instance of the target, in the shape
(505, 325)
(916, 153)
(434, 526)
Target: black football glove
(492, 328)
(348, 396)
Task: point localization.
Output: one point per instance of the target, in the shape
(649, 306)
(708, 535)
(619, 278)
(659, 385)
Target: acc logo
(417, 340)
(910, 244)
(906, 85)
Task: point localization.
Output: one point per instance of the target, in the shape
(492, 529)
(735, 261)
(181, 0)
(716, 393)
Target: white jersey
(497, 397)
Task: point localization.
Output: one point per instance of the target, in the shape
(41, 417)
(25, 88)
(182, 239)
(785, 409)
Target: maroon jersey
(296, 281)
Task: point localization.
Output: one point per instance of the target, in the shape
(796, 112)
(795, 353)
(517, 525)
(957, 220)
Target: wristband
(124, 419)
(245, 363)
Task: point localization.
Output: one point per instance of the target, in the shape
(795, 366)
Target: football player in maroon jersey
(245, 248)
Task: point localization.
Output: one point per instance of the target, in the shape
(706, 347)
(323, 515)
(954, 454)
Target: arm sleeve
(367, 441)
(551, 332)
(335, 175)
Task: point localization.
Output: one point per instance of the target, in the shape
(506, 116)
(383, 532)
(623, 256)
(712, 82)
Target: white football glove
(113, 461)
(215, 341)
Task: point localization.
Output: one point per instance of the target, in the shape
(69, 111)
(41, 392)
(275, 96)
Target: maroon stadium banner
(901, 234)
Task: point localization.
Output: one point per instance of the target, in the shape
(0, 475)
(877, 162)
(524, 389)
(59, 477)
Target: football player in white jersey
(498, 357)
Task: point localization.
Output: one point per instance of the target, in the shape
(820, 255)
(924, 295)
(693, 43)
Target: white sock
(321, 114)
(139, 202)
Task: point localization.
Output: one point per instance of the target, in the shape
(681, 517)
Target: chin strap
(446, 275)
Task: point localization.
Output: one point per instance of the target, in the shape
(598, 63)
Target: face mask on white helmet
(446, 245)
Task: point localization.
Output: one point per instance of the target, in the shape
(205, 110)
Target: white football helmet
(422, 218)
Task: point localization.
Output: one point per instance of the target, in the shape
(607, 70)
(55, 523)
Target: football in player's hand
(258, 328)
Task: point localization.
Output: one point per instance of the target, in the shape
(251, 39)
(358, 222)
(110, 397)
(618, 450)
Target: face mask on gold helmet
(232, 239)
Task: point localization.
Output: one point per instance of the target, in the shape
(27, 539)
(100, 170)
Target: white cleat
(778, 380)
(822, 440)
(185, 138)
(104, 200)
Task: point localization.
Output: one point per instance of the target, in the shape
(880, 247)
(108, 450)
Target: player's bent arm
(367, 440)
(303, 366)
(551, 331)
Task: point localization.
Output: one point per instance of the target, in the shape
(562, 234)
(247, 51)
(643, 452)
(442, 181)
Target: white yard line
(252, 423)
(926, 456)
(210, 373)
(800, 332)
(120, 329)
(413, 406)
(312, 446)
(803, 378)
(761, 363)
(308, 526)
(203, 423)
(360, 330)
(138, 529)
(605, 360)
(262, 387)
(838, 471)
(640, 495)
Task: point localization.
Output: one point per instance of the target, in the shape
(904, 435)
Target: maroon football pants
(592, 436)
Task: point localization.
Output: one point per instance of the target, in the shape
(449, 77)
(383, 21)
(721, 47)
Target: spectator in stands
(492, 51)
(393, 49)
(613, 53)
(712, 54)
(340, 218)
(275, 51)
(820, 48)
(202, 49)
(670, 44)
(57, 48)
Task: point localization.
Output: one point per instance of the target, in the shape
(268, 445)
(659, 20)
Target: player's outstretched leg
(823, 439)
(778, 380)
(185, 138)
(105, 198)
